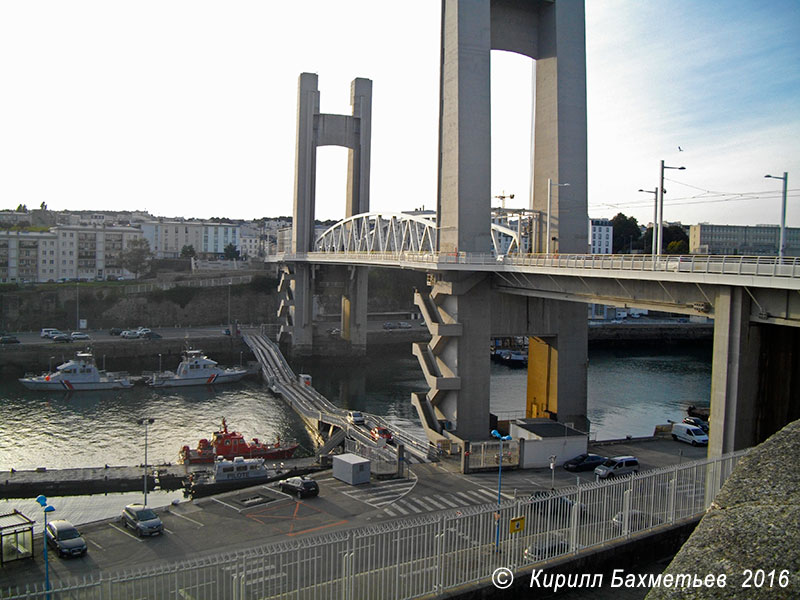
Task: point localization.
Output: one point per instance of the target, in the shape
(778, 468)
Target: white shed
(544, 438)
(351, 469)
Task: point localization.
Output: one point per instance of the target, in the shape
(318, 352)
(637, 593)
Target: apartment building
(64, 252)
(601, 236)
(748, 240)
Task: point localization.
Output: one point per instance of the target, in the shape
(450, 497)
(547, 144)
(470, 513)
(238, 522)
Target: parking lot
(263, 514)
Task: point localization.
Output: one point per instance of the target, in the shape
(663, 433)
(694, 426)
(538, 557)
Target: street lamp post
(42, 500)
(655, 218)
(782, 242)
(553, 471)
(77, 307)
(229, 308)
(550, 185)
(145, 422)
(661, 204)
(502, 438)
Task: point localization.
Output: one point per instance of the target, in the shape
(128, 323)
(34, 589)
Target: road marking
(96, 544)
(449, 502)
(168, 531)
(225, 504)
(124, 531)
(400, 508)
(174, 514)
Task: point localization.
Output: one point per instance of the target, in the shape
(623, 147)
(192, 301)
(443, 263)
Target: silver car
(142, 520)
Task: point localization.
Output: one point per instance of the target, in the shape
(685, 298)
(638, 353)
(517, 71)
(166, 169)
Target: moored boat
(228, 475)
(196, 368)
(230, 444)
(77, 374)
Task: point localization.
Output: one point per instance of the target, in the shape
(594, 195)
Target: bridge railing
(427, 555)
(760, 266)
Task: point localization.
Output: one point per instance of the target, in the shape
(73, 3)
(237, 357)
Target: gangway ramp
(318, 412)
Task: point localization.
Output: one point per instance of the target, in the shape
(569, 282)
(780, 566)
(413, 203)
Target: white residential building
(64, 252)
(601, 236)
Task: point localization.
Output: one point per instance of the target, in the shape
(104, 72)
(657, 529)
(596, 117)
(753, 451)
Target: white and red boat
(228, 445)
(197, 369)
(78, 374)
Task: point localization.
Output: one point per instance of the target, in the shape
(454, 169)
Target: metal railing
(427, 555)
(142, 288)
(751, 266)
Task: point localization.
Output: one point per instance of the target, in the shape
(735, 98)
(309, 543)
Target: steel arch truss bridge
(397, 233)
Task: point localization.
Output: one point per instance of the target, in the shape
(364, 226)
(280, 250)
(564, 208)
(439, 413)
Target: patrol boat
(78, 374)
(196, 369)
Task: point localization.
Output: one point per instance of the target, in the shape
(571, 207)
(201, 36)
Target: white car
(129, 335)
(79, 335)
(355, 417)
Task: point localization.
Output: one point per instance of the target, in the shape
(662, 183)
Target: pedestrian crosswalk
(418, 504)
(395, 498)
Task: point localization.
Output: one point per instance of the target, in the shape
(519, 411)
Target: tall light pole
(42, 500)
(782, 242)
(553, 472)
(145, 422)
(229, 307)
(77, 307)
(550, 185)
(502, 438)
(655, 217)
(661, 204)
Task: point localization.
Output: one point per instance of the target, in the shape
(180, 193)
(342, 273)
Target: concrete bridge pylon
(553, 34)
(315, 129)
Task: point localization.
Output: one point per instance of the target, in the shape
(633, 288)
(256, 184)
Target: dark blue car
(584, 462)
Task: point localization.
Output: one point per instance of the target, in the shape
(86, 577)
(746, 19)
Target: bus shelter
(16, 537)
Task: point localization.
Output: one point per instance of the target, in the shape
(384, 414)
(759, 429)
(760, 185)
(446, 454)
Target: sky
(187, 108)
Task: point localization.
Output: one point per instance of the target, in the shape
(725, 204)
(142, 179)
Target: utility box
(351, 469)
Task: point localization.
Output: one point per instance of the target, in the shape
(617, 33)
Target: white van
(690, 434)
(47, 332)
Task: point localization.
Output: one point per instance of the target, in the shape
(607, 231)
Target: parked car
(129, 335)
(299, 486)
(585, 462)
(355, 417)
(637, 519)
(403, 325)
(142, 331)
(9, 339)
(689, 434)
(48, 332)
(79, 335)
(549, 546)
(115, 331)
(617, 466)
(334, 332)
(697, 422)
(65, 538)
(62, 338)
(151, 335)
(389, 325)
(142, 520)
(381, 433)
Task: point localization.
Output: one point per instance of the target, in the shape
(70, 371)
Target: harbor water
(630, 391)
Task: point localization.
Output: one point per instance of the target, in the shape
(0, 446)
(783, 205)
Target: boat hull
(194, 457)
(195, 381)
(74, 386)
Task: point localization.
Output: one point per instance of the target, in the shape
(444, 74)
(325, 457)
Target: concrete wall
(536, 453)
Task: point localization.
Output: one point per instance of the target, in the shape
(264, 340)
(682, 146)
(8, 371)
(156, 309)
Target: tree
(230, 252)
(677, 247)
(136, 257)
(626, 232)
(188, 252)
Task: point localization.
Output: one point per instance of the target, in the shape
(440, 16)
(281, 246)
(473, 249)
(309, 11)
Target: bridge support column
(354, 310)
(456, 362)
(734, 375)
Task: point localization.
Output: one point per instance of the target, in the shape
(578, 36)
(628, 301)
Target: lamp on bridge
(550, 184)
(782, 242)
(661, 204)
(655, 217)
(502, 438)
